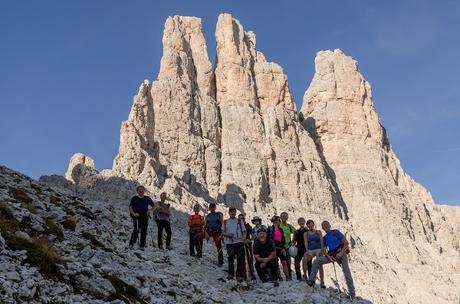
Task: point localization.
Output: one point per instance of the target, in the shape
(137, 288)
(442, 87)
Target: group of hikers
(259, 246)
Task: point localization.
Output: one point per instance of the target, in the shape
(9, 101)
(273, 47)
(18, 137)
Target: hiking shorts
(314, 252)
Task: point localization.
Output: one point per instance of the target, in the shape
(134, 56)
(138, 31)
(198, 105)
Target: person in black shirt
(139, 209)
(265, 256)
(299, 242)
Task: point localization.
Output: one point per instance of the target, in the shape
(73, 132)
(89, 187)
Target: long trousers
(166, 225)
(139, 223)
(269, 272)
(195, 243)
(236, 250)
(217, 241)
(343, 262)
(298, 266)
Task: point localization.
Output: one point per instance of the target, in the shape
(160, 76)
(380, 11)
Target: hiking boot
(199, 255)
(311, 283)
(142, 248)
(239, 279)
(169, 247)
(323, 285)
(220, 264)
(276, 283)
(160, 247)
(229, 277)
(253, 278)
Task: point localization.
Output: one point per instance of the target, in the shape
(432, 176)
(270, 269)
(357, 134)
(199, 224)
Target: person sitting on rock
(338, 249)
(234, 235)
(139, 209)
(195, 223)
(275, 233)
(265, 256)
(163, 221)
(314, 247)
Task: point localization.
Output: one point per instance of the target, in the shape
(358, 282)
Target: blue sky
(69, 70)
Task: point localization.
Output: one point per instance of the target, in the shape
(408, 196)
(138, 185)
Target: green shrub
(40, 252)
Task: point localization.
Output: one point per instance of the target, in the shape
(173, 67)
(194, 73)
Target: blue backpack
(214, 224)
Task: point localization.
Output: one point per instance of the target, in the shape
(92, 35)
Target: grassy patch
(54, 229)
(22, 197)
(124, 291)
(94, 241)
(40, 252)
(55, 200)
(86, 212)
(69, 223)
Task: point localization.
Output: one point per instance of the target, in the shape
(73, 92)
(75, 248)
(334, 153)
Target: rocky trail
(60, 248)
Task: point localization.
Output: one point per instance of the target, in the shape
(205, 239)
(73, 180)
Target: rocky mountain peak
(231, 135)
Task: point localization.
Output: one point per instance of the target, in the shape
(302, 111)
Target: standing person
(275, 233)
(265, 256)
(298, 241)
(248, 248)
(163, 221)
(139, 209)
(314, 246)
(288, 230)
(234, 234)
(338, 249)
(213, 228)
(257, 222)
(195, 223)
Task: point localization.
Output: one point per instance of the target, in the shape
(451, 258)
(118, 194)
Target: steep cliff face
(232, 136)
(266, 158)
(173, 127)
(339, 112)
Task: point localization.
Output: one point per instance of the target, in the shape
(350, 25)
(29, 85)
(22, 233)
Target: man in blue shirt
(338, 249)
(139, 209)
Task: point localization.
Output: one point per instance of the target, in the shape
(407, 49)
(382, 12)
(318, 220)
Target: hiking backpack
(334, 233)
(213, 222)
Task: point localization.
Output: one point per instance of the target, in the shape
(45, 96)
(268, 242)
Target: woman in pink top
(276, 235)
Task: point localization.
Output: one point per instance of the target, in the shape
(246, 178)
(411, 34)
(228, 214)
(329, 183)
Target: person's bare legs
(285, 269)
(306, 258)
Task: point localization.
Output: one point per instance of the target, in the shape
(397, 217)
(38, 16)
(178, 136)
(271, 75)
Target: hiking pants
(166, 225)
(195, 242)
(288, 262)
(236, 250)
(270, 270)
(249, 259)
(216, 238)
(139, 223)
(298, 266)
(343, 262)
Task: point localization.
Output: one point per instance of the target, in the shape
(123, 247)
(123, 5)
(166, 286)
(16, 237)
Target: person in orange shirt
(195, 224)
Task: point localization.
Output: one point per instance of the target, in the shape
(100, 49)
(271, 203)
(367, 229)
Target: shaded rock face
(339, 112)
(232, 136)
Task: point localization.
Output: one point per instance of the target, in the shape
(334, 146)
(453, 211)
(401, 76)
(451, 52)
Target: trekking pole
(336, 281)
(151, 228)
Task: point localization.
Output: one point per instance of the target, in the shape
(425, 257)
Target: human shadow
(338, 204)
